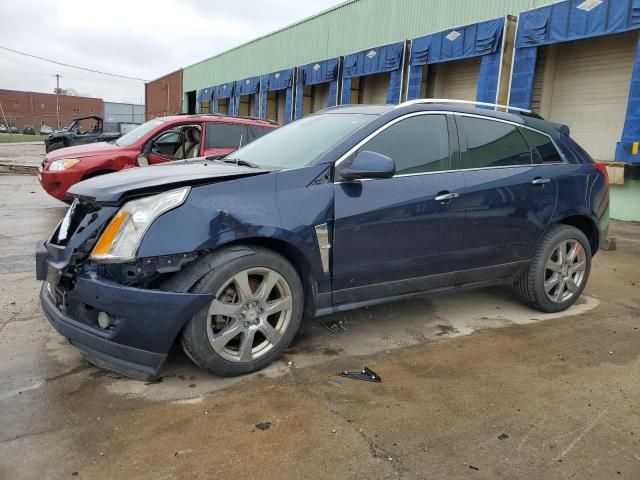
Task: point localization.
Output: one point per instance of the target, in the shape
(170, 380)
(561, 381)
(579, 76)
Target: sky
(135, 38)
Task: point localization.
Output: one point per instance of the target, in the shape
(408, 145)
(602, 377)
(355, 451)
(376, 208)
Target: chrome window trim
(532, 165)
(445, 112)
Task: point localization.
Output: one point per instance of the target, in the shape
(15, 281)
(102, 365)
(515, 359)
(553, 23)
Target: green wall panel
(625, 200)
(344, 29)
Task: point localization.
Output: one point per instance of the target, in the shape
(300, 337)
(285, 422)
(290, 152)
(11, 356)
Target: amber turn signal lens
(106, 239)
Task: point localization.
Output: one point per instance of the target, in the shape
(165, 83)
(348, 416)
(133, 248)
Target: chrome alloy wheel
(565, 271)
(250, 315)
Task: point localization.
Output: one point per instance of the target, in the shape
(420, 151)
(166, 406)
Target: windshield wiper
(237, 161)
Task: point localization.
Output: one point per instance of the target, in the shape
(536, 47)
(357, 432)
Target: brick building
(37, 109)
(163, 96)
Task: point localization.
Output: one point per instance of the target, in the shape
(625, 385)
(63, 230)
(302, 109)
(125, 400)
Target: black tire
(530, 286)
(215, 270)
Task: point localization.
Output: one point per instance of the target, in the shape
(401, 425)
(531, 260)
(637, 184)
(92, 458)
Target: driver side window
(178, 143)
(166, 143)
(417, 144)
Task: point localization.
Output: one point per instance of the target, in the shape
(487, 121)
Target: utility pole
(57, 75)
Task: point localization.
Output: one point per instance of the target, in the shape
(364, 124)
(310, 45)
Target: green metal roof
(346, 28)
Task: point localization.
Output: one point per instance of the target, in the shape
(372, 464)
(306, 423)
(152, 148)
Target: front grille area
(79, 216)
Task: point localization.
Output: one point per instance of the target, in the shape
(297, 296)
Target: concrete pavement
(474, 386)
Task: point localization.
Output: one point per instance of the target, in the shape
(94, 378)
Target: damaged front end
(106, 301)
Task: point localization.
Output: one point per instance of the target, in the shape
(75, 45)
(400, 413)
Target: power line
(71, 66)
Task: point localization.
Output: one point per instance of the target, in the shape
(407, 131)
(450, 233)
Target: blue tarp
(479, 39)
(220, 92)
(387, 58)
(631, 130)
(248, 86)
(282, 80)
(575, 20)
(204, 95)
(314, 74)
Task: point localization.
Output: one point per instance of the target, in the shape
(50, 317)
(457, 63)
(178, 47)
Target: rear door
(393, 236)
(509, 202)
(223, 138)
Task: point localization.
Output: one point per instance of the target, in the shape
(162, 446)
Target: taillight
(603, 169)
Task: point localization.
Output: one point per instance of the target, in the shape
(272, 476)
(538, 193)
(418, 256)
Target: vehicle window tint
(417, 144)
(543, 145)
(225, 135)
(257, 132)
(493, 144)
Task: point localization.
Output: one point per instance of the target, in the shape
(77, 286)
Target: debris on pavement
(335, 327)
(365, 374)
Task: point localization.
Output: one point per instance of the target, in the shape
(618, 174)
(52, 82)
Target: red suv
(159, 140)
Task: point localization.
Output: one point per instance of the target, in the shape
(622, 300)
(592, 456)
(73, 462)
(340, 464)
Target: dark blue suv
(349, 207)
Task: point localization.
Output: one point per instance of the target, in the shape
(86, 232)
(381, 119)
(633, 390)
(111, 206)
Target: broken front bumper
(143, 323)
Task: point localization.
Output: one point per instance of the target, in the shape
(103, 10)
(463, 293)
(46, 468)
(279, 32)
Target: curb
(19, 169)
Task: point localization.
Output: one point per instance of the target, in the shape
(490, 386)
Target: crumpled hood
(113, 187)
(80, 151)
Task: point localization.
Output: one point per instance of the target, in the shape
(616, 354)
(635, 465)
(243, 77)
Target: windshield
(300, 143)
(136, 134)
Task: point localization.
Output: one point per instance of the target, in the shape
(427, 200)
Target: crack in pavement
(375, 450)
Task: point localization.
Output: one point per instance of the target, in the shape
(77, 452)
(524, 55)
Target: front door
(509, 202)
(176, 143)
(403, 234)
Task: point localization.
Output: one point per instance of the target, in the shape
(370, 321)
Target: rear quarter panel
(582, 190)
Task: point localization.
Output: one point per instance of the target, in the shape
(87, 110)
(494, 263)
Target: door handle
(445, 196)
(540, 181)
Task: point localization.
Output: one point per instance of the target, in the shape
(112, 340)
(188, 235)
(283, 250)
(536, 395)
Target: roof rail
(215, 114)
(464, 102)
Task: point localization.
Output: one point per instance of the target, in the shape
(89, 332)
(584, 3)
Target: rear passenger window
(416, 145)
(258, 132)
(225, 135)
(543, 146)
(493, 144)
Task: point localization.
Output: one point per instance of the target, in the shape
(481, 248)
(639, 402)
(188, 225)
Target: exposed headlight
(120, 240)
(63, 164)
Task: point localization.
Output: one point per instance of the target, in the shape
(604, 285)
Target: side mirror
(369, 165)
(142, 161)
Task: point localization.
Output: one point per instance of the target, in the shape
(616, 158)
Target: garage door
(586, 86)
(457, 80)
(373, 88)
(319, 97)
(243, 106)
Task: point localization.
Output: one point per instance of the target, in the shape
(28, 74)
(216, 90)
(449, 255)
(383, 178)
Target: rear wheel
(558, 272)
(256, 312)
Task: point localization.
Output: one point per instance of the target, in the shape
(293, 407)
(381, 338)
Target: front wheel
(256, 312)
(558, 272)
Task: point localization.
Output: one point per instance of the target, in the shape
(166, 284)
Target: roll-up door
(538, 81)
(243, 106)
(586, 86)
(276, 106)
(223, 106)
(456, 80)
(315, 98)
(319, 96)
(373, 88)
